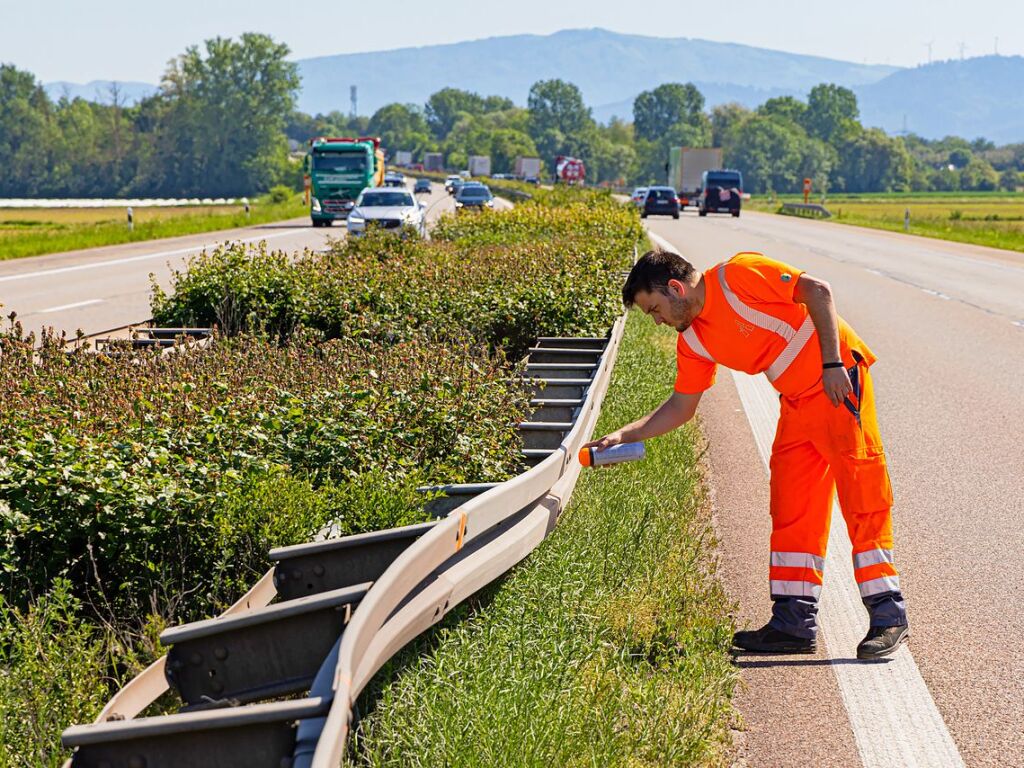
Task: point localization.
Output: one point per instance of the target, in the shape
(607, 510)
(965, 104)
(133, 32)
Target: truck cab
(338, 169)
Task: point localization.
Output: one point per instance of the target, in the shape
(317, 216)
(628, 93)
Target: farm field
(991, 219)
(36, 231)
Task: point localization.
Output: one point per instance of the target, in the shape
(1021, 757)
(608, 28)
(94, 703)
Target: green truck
(336, 170)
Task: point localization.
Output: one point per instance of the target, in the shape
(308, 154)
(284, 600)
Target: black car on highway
(422, 185)
(660, 201)
(473, 196)
(720, 192)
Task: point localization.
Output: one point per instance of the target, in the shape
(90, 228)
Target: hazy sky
(78, 41)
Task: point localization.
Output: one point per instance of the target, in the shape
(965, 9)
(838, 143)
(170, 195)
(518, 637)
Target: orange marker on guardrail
(591, 457)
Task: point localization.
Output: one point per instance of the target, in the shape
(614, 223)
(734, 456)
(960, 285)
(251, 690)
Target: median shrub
(505, 278)
(152, 475)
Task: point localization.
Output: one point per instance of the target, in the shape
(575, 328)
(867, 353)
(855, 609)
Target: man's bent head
(663, 285)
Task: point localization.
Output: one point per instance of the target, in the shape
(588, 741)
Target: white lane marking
(938, 294)
(71, 306)
(892, 714)
(143, 257)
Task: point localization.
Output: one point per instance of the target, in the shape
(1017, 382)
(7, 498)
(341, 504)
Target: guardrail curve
(345, 606)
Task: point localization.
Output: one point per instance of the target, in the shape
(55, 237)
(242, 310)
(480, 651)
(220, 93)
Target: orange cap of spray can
(616, 454)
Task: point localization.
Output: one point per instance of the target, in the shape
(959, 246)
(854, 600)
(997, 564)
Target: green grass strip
(608, 646)
(77, 236)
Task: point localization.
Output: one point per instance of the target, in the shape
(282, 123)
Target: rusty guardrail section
(345, 606)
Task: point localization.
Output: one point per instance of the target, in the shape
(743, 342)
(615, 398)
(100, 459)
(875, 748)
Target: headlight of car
(315, 204)
(458, 204)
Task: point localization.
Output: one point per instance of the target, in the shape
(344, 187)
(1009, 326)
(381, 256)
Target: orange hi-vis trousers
(820, 449)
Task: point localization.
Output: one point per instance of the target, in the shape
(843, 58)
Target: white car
(388, 208)
(639, 196)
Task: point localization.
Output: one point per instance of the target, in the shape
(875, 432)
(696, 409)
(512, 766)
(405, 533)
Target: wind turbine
(928, 45)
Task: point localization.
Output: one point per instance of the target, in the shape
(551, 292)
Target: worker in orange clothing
(758, 315)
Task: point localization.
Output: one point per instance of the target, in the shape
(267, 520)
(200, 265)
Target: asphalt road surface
(947, 323)
(102, 288)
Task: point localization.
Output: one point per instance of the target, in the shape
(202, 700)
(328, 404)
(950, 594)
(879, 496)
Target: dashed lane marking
(71, 306)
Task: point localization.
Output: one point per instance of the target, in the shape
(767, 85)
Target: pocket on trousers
(863, 482)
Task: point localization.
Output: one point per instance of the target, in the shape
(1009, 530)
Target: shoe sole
(787, 651)
(886, 652)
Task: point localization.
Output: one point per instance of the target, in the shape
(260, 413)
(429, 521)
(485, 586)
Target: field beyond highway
(995, 220)
(37, 231)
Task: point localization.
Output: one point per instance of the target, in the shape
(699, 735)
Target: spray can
(616, 454)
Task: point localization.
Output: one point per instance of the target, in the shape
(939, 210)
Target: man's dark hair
(652, 273)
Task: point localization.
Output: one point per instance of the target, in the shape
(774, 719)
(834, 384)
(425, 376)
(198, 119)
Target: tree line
(220, 123)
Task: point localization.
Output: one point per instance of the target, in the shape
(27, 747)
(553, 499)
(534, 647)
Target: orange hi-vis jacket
(751, 323)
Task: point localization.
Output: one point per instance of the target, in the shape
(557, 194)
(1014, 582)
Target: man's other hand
(836, 382)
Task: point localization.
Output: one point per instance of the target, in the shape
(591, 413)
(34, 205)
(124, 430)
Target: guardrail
(806, 209)
(347, 605)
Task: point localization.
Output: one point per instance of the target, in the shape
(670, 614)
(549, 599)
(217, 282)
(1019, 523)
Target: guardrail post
(131, 219)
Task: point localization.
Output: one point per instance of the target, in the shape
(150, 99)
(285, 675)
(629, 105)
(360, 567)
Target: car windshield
(386, 199)
(475, 193)
(339, 161)
(662, 194)
(724, 180)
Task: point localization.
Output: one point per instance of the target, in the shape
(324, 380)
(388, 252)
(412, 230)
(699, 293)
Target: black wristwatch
(832, 365)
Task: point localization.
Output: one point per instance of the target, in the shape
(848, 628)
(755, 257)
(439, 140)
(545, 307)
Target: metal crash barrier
(331, 613)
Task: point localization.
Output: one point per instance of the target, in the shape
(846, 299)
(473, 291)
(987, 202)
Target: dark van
(720, 192)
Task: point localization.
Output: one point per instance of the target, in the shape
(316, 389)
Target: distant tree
(873, 161)
(725, 119)
(446, 107)
(979, 175)
(831, 112)
(785, 108)
(558, 118)
(401, 126)
(508, 144)
(665, 107)
(770, 155)
(1010, 180)
(221, 123)
(25, 133)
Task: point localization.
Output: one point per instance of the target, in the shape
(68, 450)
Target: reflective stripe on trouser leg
(855, 454)
(801, 504)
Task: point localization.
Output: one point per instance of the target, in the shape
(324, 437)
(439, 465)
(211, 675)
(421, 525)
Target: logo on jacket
(744, 328)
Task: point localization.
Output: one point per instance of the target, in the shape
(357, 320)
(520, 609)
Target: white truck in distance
(686, 166)
(403, 157)
(527, 167)
(479, 165)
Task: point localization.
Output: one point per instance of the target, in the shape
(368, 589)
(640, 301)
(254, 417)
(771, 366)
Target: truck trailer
(570, 170)
(337, 169)
(686, 167)
(479, 165)
(527, 168)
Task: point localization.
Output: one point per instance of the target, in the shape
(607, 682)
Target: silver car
(388, 208)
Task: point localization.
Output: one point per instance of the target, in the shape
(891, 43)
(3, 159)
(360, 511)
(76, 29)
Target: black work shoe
(770, 640)
(881, 641)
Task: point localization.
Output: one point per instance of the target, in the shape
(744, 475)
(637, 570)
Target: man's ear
(678, 288)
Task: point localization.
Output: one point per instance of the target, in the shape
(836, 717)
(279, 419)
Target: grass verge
(993, 220)
(23, 233)
(607, 647)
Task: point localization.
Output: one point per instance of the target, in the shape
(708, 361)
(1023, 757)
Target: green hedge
(503, 277)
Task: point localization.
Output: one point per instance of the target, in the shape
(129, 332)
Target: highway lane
(102, 288)
(947, 322)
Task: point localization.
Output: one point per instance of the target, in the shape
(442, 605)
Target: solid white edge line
(71, 306)
(892, 714)
(141, 257)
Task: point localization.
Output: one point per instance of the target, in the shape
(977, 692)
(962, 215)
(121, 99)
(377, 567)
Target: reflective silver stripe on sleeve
(798, 560)
(879, 585)
(872, 557)
(758, 318)
(792, 349)
(795, 589)
(693, 340)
